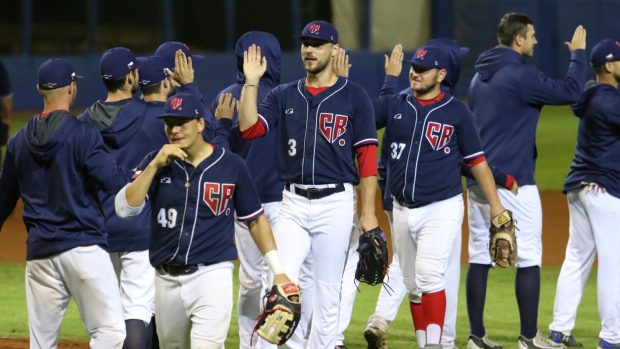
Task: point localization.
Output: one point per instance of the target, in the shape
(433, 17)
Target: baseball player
(53, 164)
(593, 190)
(130, 130)
(6, 107)
(260, 156)
(506, 96)
(323, 122)
(195, 188)
(429, 132)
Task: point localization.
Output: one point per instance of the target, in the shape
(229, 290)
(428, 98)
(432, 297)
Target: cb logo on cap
(176, 102)
(420, 53)
(314, 28)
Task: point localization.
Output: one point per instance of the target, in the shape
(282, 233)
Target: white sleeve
(122, 208)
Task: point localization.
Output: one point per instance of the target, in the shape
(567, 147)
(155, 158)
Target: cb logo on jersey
(217, 196)
(438, 135)
(333, 127)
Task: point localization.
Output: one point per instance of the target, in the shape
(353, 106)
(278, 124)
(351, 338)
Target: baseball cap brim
(168, 115)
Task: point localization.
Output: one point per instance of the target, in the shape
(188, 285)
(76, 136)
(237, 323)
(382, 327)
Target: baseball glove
(281, 314)
(503, 240)
(373, 263)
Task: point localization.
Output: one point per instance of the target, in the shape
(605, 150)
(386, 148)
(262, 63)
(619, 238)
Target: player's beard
(318, 69)
(424, 90)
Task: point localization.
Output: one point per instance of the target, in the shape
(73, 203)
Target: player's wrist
(273, 260)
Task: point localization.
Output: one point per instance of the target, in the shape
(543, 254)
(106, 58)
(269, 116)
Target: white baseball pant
(527, 212)
(194, 311)
(593, 230)
(86, 274)
(322, 228)
(136, 279)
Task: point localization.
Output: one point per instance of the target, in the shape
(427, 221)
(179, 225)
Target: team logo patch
(314, 28)
(420, 53)
(289, 111)
(176, 102)
(217, 196)
(332, 127)
(439, 135)
(398, 116)
(165, 180)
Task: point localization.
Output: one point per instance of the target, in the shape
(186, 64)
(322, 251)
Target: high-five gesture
(183, 69)
(579, 40)
(394, 63)
(254, 65)
(341, 63)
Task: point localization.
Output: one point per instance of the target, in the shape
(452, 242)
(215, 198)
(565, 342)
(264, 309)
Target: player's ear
(335, 48)
(441, 75)
(201, 124)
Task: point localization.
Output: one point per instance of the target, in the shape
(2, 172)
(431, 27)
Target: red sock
(434, 305)
(418, 317)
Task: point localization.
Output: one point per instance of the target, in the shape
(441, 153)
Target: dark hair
(113, 85)
(511, 25)
(151, 88)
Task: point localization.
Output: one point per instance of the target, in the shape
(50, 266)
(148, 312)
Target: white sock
(420, 336)
(433, 333)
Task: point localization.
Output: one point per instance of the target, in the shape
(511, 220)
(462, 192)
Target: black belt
(316, 193)
(413, 204)
(177, 269)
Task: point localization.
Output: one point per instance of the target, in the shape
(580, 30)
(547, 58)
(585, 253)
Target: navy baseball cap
(183, 105)
(152, 70)
(168, 50)
(604, 51)
(117, 62)
(320, 30)
(429, 57)
(56, 73)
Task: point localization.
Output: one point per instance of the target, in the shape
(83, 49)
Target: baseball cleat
(603, 344)
(538, 342)
(375, 338)
(482, 343)
(569, 341)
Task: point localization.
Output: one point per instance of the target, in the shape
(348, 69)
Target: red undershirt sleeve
(255, 131)
(367, 160)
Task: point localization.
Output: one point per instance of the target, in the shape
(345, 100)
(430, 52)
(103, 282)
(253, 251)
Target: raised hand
(226, 106)
(578, 41)
(341, 63)
(254, 65)
(183, 69)
(394, 63)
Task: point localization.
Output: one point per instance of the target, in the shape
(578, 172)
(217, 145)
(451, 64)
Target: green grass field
(501, 315)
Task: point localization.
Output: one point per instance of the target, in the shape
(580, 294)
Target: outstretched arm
(254, 66)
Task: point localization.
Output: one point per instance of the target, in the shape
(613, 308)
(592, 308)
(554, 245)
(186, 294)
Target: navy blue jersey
(52, 163)
(194, 223)
(259, 154)
(506, 96)
(427, 145)
(317, 135)
(597, 155)
(130, 130)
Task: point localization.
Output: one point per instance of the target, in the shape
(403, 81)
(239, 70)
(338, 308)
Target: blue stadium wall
(471, 22)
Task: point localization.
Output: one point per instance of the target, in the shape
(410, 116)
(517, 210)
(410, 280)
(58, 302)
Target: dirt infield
(21, 343)
(555, 232)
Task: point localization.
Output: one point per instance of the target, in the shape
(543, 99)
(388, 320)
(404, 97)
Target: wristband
(273, 259)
